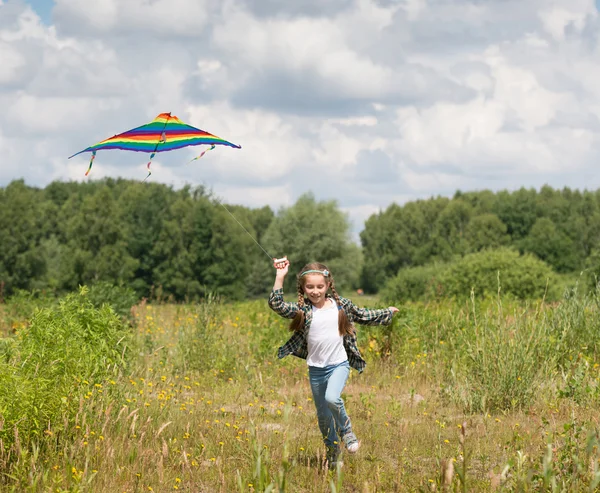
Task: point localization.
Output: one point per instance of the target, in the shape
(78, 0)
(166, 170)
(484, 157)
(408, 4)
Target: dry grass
(237, 419)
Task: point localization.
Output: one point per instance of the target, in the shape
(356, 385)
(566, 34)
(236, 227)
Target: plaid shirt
(297, 344)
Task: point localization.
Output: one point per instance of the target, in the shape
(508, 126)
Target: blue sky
(43, 8)
(366, 102)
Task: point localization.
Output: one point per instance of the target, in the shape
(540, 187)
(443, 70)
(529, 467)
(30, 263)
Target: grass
(456, 397)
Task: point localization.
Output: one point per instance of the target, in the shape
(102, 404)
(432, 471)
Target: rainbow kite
(164, 133)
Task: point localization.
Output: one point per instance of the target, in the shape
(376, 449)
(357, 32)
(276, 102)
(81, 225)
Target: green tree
(21, 231)
(449, 236)
(518, 210)
(551, 245)
(486, 231)
(182, 251)
(312, 231)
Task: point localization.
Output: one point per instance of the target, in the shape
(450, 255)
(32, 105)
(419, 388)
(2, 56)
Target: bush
(521, 276)
(120, 298)
(414, 283)
(52, 362)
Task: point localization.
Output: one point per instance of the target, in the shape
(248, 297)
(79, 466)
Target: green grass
(506, 394)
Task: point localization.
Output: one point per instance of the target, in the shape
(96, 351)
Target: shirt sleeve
(366, 316)
(281, 307)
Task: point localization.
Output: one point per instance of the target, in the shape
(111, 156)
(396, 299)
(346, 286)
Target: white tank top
(325, 344)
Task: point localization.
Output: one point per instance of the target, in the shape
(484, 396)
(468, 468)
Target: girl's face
(315, 287)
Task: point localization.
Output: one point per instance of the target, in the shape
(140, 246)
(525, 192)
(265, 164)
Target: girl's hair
(344, 325)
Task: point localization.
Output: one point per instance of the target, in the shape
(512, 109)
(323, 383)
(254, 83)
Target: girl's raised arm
(276, 302)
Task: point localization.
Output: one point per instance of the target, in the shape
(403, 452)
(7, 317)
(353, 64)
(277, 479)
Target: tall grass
(482, 395)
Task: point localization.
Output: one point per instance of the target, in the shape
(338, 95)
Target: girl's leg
(335, 386)
(318, 385)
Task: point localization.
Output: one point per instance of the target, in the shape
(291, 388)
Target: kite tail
(148, 165)
(162, 140)
(203, 153)
(91, 162)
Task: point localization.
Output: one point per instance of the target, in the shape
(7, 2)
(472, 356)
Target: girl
(325, 336)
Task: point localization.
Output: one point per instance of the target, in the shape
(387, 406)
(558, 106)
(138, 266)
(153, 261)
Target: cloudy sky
(367, 102)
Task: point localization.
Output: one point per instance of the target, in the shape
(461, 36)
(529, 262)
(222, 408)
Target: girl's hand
(282, 266)
(394, 309)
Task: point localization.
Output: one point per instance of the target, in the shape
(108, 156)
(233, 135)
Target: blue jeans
(327, 385)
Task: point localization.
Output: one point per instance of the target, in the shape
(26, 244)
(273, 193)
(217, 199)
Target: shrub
(414, 283)
(521, 276)
(63, 350)
(120, 298)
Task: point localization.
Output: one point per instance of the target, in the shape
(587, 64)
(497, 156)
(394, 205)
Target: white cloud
(12, 62)
(161, 17)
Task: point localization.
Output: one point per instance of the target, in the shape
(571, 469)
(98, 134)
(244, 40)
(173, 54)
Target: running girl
(324, 334)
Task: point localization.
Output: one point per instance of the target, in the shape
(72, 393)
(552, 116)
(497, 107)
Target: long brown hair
(344, 325)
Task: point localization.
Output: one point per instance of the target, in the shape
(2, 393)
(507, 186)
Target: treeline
(559, 227)
(183, 244)
(159, 241)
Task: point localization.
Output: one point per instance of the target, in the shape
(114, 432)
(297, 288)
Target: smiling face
(315, 287)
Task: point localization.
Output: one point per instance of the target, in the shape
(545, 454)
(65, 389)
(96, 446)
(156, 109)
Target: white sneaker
(351, 442)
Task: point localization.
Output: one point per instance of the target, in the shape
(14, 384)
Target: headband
(323, 272)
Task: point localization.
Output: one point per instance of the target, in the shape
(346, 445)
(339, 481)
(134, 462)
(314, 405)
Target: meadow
(472, 395)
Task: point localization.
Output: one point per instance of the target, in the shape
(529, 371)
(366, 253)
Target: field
(472, 396)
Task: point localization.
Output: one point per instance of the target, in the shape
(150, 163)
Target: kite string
(242, 226)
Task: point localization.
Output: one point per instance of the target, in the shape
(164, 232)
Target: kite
(165, 133)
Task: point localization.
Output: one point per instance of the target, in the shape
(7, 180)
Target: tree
(486, 231)
(311, 231)
(449, 237)
(21, 230)
(551, 245)
(518, 210)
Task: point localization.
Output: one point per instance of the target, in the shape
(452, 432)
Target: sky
(366, 102)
